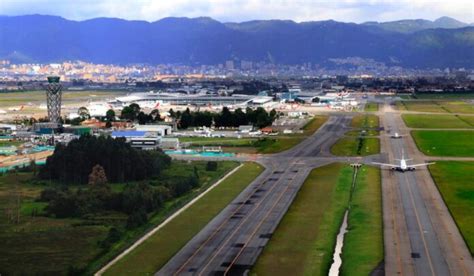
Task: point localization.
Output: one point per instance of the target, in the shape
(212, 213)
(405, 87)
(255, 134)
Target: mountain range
(442, 43)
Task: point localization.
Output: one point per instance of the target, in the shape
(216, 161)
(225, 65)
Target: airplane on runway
(397, 136)
(402, 166)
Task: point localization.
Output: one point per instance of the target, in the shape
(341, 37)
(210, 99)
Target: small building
(245, 128)
(267, 130)
(128, 134)
(158, 130)
(6, 129)
(169, 143)
(145, 143)
(138, 139)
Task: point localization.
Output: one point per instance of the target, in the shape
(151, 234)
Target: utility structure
(53, 99)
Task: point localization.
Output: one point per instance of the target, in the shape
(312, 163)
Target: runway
(420, 235)
(232, 241)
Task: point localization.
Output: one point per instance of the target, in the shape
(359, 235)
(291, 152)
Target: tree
(97, 177)
(226, 118)
(143, 118)
(186, 119)
(130, 112)
(211, 166)
(240, 117)
(110, 115)
(72, 163)
(172, 113)
(33, 167)
(83, 112)
(155, 115)
(273, 114)
(137, 218)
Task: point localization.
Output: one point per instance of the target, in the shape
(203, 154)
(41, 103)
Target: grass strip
(304, 241)
(151, 255)
(363, 244)
(445, 143)
(455, 181)
(434, 121)
(372, 107)
(351, 146)
(365, 121)
(282, 143)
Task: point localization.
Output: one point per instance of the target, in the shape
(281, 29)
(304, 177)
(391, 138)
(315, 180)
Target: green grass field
(7, 143)
(458, 106)
(437, 106)
(445, 95)
(420, 106)
(434, 121)
(147, 258)
(38, 244)
(455, 181)
(365, 121)
(467, 119)
(363, 244)
(445, 143)
(371, 107)
(304, 241)
(36, 97)
(46, 245)
(286, 142)
(267, 145)
(349, 146)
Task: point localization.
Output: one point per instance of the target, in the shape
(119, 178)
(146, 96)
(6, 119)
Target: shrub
(211, 166)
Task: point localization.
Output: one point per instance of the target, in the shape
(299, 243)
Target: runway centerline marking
(238, 228)
(419, 224)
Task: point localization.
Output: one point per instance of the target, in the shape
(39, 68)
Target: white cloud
(242, 10)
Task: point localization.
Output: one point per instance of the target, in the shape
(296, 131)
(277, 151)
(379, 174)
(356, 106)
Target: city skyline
(240, 11)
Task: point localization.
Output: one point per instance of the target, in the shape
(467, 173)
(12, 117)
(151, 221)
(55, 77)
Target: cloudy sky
(243, 10)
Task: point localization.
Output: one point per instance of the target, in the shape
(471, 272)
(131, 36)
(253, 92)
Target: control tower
(53, 100)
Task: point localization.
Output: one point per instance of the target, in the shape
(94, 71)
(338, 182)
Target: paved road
(232, 241)
(420, 235)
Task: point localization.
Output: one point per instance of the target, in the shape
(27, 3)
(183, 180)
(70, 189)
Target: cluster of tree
(133, 113)
(74, 162)
(258, 117)
(136, 200)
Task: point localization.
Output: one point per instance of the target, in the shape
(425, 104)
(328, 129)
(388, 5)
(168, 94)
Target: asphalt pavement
(231, 243)
(420, 235)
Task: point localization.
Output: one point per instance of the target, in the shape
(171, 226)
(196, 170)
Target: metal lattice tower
(53, 99)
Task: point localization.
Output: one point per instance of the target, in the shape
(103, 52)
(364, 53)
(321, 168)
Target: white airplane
(397, 136)
(402, 166)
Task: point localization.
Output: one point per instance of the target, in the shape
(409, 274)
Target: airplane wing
(420, 165)
(384, 164)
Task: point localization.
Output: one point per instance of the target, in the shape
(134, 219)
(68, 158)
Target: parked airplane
(402, 166)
